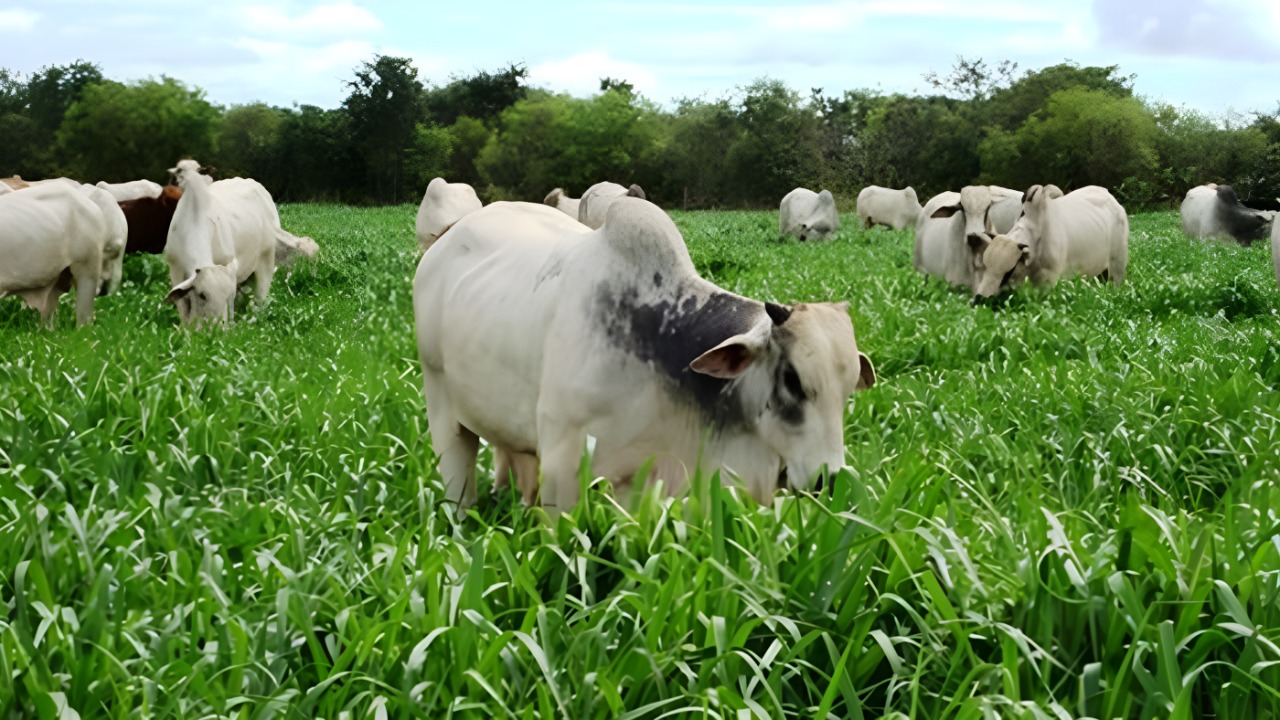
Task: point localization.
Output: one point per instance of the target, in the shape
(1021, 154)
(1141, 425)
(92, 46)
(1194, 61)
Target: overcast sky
(1208, 54)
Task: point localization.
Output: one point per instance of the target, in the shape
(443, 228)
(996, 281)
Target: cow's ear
(181, 290)
(778, 312)
(866, 373)
(730, 359)
(945, 211)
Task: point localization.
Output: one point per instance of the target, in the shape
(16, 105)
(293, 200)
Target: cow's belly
(30, 264)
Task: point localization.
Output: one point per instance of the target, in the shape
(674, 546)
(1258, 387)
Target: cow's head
(978, 202)
(206, 296)
(798, 365)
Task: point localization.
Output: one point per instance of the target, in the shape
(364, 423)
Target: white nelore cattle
(535, 332)
(1275, 247)
(1214, 211)
(1085, 232)
(950, 218)
(594, 204)
(897, 209)
(561, 201)
(230, 223)
(443, 204)
(51, 236)
(114, 238)
(808, 215)
(132, 190)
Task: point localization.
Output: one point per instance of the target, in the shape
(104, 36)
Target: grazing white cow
(132, 190)
(1275, 248)
(561, 201)
(950, 218)
(535, 332)
(896, 209)
(1085, 232)
(51, 236)
(595, 202)
(443, 204)
(290, 248)
(230, 223)
(1214, 211)
(115, 236)
(807, 215)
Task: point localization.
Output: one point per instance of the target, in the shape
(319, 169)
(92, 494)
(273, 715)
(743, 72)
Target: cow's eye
(791, 381)
(202, 296)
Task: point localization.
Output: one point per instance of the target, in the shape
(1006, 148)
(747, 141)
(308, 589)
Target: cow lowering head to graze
(208, 296)
(807, 215)
(897, 209)
(950, 221)
(595, 202)
(51, 239)
(561, 201)
(1214, 211)
(535, 332)
(1085, 232)
(231, 223)
(443, 204)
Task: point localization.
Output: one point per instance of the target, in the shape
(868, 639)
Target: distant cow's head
(999, 263)
(797, 366)
(978, 202)
(206, 296)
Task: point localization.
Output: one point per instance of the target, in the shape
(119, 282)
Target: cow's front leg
(560, 450)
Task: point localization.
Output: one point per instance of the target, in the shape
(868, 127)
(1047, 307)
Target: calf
(535, 332)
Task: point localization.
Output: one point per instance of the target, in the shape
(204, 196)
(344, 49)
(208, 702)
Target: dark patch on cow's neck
(672, 332)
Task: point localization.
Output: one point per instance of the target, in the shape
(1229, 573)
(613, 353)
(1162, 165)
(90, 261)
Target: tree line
(1064, 124)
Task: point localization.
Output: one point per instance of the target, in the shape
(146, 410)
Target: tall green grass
(1059, 506)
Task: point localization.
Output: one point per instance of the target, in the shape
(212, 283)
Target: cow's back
(44, 230)
(1088, 223)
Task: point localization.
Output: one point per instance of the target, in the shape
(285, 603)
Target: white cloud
(581, 73)
(18, 20)
(330, 20)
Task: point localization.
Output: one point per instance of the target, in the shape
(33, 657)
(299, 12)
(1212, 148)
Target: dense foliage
(1064, 124)
(1060, 506)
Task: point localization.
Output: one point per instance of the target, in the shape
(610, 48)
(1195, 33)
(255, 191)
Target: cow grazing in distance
(561, 201)
(807, 215)
(230, 223)
(1214, 211)
(897, 209)
(51, 238)
(443, 204)
(535, 332)
(1085, 232)
(596, 200)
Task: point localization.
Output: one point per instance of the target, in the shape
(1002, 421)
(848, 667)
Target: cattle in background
(1275, 248)
(148, 220)
(230, 223)
(561, 201)
(1214, 211)
(1085, 232)
(535, 332)
(51, 237)
(596, 200)
(808, 215)
(443, 204)
(132, 190)
(897, 209)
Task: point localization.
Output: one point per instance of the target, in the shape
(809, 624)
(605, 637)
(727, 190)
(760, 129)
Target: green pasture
(1063, 505)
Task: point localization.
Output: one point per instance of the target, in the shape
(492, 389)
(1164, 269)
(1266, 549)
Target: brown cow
(149, 220)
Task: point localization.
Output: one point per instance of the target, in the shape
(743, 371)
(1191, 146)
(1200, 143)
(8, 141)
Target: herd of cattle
(57, 234)
(547, 329)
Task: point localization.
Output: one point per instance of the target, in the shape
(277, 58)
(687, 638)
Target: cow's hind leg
(455, 445)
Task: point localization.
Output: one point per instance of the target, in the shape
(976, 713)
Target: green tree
(50, 92)
(429, 156)
(701, 134)
(482, 96)
(118, 132)
(385, 106)
(320, 157)
(249, 142)
(467, 138)
(778, 149)
(1009, 107)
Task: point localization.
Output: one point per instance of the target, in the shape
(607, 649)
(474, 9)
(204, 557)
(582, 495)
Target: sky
(1212, 55)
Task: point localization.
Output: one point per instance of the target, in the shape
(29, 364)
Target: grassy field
(1060, 506)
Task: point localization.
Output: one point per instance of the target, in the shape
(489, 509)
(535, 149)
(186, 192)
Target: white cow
(1085, 232)
(51, 236)
(561, 201)
(1214, 211)
(230, 223)
(1275, 247)
(897, 209)
(114, 239)
(808, 215)
(595, 202)
(443, 204)
(132, 190)
(535, 332)
(950, 218)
